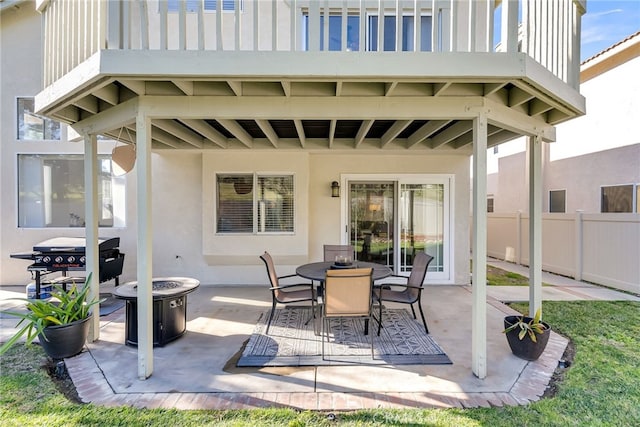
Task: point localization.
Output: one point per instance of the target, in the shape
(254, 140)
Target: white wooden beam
(267, 129)
(300, 130)
(425, 131)
(394, 131)
(286, 87)
(235, 86)
(207, 131)
(479, 256)
(139, 87)
(451, 133)
(179, 131)
(113, 118)
(88, 103)
(145, 246)
(91, 209)
(108, 93)
(332, 131)
(185, 86)
(362, 132)
(316, 108)
(237, 131)
(535, 223)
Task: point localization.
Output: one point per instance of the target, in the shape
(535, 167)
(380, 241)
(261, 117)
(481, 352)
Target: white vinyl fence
(599, 248)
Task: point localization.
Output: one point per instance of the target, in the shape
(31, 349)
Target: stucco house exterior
(244, 113)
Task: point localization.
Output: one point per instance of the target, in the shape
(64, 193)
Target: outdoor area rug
(110, 304)
(290, 342)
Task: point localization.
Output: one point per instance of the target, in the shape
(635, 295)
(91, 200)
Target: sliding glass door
(421, 224)
(389, 221)
(372, 210)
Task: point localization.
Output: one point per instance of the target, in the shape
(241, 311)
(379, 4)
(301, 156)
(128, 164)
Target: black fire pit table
(169, 308)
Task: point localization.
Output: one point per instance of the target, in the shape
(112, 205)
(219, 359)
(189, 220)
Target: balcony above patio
(312, 74)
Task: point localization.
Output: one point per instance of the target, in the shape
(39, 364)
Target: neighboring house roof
(611, 57)
(6, 4)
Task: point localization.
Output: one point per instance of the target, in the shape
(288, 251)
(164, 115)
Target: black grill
(66, 254)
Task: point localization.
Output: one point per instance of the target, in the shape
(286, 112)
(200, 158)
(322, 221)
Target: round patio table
(317, 270)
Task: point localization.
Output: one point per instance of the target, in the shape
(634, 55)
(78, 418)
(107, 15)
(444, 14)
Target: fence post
(578, 244)
(518, 238)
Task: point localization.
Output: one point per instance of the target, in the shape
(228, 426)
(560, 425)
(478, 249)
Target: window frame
(19, 112)
(634, 197)
(370, 26)
(118, 203)
(191, 6)
(254, 204)
(564, 207)
(490, 203)
(368, 29)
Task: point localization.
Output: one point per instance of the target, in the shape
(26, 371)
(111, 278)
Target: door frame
(447, 275)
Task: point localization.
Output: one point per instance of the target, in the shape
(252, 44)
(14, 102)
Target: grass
(498, 277)
(601, 387)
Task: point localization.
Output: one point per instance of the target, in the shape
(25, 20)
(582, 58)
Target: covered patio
(198, 370)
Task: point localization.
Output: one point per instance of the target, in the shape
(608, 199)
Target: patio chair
(347, 294)
(331, 251)
(410, 293)
(295, 292)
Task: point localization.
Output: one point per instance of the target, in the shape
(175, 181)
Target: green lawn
(601, 388)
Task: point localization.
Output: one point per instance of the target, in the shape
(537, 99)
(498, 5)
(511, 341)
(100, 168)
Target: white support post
(535, 223)
(479, 259)
(519, 237)
(579, 233)
(145, 237)
(91, 227)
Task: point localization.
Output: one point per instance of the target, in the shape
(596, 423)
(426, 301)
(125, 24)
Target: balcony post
(145, 245)
(479, 259)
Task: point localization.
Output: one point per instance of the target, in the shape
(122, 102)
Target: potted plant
(527, 336)
(60, 323)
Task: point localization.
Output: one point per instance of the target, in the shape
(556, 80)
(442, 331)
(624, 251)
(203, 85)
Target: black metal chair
(410, 293)
(282, 296)
(331, 251)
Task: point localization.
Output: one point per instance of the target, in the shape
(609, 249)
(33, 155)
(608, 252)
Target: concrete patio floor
(197, 370)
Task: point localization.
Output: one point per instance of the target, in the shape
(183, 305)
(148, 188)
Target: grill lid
(74, 244)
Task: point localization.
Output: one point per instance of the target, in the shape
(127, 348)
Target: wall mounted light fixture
(335, 189)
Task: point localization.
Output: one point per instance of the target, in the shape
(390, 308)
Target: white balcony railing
(547, 30)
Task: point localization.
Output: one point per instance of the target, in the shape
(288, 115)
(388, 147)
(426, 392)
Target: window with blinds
(252, 203)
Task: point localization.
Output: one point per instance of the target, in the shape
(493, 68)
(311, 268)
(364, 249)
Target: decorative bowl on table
(343, 262)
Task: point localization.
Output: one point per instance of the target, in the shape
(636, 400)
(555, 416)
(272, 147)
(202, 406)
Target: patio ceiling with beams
(348, 127)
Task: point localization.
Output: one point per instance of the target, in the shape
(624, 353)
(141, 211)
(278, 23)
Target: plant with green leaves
(67, 306)
(532, 327)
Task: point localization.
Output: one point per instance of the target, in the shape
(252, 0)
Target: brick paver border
(92, 387)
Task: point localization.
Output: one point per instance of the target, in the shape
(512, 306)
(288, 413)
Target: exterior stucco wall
(512, 193)
(21, 76)
(613, 106)
(582, 176)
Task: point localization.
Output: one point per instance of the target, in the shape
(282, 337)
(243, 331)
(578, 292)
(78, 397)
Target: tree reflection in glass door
(372, 221)
(421, 224)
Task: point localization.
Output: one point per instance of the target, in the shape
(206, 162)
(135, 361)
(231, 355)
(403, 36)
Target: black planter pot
(525, 348)
(65, 340)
